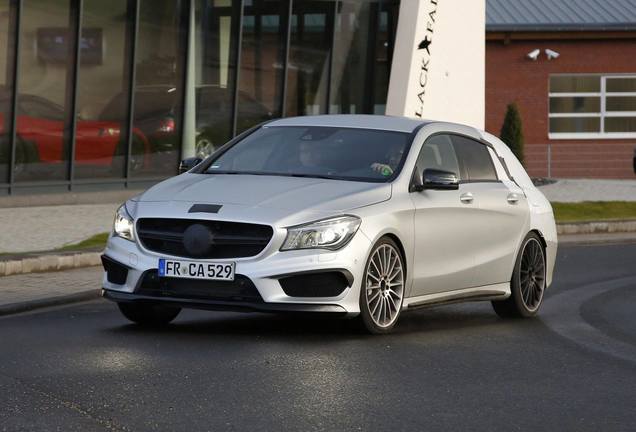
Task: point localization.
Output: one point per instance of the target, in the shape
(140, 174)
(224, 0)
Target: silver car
(353, 215)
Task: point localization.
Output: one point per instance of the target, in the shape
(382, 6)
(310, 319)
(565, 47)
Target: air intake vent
(324, 284)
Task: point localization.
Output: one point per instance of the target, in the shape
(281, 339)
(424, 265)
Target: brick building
(570, 66)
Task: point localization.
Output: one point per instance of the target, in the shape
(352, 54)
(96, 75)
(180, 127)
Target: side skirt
(487, 292)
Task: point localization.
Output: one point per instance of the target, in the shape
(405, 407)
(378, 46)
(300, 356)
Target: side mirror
(439, 179)
(189, 163)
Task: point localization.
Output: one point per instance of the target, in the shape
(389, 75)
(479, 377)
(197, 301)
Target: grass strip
(594, 211)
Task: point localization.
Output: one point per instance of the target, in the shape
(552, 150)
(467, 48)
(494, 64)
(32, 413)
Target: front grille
(226, 239)
(241, 289)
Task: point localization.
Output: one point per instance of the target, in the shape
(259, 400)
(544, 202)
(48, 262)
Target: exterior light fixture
(551, 54)
(534, 54)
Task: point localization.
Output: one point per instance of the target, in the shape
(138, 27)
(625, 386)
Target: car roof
(378, 122)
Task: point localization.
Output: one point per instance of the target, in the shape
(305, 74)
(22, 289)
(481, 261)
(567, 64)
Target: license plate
(196, 269)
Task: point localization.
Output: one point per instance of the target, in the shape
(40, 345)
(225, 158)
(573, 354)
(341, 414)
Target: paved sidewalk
(29, 229)
(29, 291)
(577, 190)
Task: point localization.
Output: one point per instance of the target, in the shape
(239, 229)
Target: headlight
(329, 234)
(123, 224)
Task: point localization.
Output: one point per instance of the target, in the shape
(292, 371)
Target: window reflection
(100, 147)
(383, 51)
(351, 59)
(262, 61)
(42, 146)
(308, 75)
(361, 62)
(5, 91)
(351, 71)
(158, 89)
(215, 46)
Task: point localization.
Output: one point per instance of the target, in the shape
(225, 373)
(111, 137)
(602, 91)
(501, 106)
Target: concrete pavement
(25, 292)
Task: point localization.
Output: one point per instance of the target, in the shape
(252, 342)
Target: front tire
(528, 281)
(382, 289)
(147, 314)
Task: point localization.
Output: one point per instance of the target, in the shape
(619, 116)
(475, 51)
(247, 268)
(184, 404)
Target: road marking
(562, 314)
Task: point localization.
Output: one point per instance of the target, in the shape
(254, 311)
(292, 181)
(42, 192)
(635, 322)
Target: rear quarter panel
(541, 214)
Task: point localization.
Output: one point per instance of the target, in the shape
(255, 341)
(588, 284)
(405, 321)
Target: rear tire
(527, 284)
(26, 154)
(147, 314)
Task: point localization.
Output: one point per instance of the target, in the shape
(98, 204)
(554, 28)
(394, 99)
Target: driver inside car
(390, 164)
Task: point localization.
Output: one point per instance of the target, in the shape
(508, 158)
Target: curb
(597, 227)
(597, 239)
(48, 263)
(13, 308)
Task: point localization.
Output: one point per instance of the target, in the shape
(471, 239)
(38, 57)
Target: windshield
(323, 152)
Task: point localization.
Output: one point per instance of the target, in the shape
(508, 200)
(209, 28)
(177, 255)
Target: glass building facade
(97, 94)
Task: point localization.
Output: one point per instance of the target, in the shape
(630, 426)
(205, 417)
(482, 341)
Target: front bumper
(236, 306)
(263, 272)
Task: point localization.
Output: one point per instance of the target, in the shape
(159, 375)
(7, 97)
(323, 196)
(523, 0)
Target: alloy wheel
(204, 148)
(384, 285)
(532, 274)
(137, 157)
(136, 162)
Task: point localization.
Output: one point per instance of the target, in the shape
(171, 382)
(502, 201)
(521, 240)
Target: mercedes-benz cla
(361, 216)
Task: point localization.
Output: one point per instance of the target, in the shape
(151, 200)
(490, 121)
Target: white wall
(449, 82)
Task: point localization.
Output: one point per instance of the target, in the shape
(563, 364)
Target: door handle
(466, 198)
(513, 198)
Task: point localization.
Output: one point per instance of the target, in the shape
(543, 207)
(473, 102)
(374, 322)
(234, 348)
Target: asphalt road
(82, 367)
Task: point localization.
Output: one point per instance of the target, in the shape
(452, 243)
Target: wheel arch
(400, 246)
(520, 244)
(544, 243)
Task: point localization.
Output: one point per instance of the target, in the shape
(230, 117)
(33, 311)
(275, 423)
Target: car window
(475, 161)
(33, 107)
(149, 103)
(255, 158)
(314, 151)
(438, 153)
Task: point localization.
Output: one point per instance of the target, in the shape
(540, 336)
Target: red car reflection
(40, 128)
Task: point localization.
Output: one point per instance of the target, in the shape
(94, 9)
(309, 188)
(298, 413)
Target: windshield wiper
(310, 176)
(221, 172)
(271, 174)
(239, 173)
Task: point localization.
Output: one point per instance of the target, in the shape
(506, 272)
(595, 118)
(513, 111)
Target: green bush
(512, 131)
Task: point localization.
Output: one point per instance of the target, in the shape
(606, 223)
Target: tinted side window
(474, 159)
(437, 153)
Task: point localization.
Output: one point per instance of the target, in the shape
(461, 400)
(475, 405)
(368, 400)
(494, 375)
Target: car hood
(275, 196)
